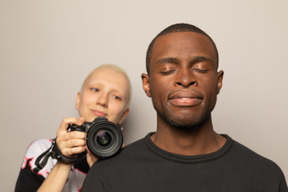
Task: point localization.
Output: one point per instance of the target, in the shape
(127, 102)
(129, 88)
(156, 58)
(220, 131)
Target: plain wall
(48, 47)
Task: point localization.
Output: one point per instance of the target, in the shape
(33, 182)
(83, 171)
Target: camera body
(104, 138)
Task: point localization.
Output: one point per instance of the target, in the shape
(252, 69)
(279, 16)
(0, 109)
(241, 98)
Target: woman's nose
(102, 100)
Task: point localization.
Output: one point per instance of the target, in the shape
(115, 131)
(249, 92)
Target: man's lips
(98, 113)
(185, 99)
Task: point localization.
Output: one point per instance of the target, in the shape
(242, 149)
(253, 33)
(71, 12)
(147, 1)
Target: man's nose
(185, 78)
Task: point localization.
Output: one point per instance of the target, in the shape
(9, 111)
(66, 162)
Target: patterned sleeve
(28, 180)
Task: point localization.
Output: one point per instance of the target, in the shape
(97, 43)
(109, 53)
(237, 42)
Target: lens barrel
(104, 138)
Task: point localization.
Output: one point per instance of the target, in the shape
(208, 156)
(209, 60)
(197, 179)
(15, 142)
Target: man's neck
(199, 141)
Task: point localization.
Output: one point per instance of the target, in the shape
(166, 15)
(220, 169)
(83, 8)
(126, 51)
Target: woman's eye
(95, 89)
(117, 97)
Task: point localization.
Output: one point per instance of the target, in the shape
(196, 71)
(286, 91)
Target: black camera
(104, 138)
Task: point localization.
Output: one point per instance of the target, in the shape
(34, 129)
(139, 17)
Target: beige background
(48, 47)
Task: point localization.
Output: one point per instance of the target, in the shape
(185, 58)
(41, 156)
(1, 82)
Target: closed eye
(168, 71)
(200, 70)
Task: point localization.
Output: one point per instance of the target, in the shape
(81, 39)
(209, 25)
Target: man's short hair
(179, 27)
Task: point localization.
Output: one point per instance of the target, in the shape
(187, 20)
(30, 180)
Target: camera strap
(54, 152)
(42, 159)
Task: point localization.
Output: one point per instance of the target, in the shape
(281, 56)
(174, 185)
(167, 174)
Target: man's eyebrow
(174, 60)
(167, 60)
(197, 59)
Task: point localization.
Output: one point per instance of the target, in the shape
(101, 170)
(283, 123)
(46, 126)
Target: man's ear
(220, 76)
(77, 100)
(123, 117)
(146, 84)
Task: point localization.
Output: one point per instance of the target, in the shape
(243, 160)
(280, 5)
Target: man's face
(104, 94)
(183, 81)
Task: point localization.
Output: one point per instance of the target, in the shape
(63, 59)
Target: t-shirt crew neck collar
(189, 159)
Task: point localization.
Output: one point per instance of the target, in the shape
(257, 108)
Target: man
(185, 153)
(106, 92)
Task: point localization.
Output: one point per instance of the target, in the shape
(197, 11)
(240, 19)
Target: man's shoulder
(246, 160)
(250, 157)
(129, 153)
(132, 149)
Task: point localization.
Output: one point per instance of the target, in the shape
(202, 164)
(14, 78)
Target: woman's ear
(146, 84)
(123, 117)
(77, 100)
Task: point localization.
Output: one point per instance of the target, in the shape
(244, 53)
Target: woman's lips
(98, 113)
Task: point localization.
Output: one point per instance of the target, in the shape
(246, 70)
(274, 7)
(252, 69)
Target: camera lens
(103, 138)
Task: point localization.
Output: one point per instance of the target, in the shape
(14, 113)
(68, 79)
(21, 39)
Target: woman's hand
(71, 143)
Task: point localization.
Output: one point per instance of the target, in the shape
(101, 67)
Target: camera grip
(74, 127)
